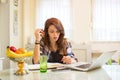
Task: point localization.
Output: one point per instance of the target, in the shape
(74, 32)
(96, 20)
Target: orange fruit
(22, 50)
(18, 52)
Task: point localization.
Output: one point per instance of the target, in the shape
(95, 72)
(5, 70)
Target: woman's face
(53, 33)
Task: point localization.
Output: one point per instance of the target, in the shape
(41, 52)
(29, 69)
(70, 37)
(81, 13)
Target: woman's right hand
(39, 33)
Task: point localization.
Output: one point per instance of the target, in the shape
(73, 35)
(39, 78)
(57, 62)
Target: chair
(82, 52)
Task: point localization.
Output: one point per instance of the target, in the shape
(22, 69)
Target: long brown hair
(61, 42)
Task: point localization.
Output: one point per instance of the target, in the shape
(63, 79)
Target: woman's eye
(54, 32)
(57, 32)
(51, 31)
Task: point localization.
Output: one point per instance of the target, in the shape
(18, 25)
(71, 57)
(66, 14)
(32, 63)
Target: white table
(113, 71)
(107, 72)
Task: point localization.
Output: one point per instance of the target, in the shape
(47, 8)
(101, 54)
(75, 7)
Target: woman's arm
(38, 35)
(36, 54)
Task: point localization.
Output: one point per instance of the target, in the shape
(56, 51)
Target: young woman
(52, 43)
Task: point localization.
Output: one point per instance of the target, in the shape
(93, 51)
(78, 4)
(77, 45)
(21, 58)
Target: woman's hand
(68, 60)
(39, 33)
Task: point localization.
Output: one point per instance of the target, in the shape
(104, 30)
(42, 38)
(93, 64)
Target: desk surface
(107, 72)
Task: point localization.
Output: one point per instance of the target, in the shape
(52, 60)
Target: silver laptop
(96, 64)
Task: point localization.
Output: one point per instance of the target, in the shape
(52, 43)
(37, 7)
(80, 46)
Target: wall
(4, 32)
(29, 20)
(81, 21)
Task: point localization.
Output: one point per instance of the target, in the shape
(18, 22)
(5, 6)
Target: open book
(50, 66)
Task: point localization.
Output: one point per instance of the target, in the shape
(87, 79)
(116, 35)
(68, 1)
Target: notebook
(96, 64)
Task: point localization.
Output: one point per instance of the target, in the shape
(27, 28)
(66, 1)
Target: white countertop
(107, 72)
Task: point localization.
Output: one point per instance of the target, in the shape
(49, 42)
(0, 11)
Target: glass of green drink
(43, 63)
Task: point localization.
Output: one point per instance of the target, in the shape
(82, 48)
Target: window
(60, 9)
(106, 20)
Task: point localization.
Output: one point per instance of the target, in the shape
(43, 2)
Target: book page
(50, 66)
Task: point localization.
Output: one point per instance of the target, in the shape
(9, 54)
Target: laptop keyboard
(84, 66)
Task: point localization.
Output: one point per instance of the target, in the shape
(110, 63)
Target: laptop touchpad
(83, 66)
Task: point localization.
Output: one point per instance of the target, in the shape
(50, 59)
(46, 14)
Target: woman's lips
(54, 37)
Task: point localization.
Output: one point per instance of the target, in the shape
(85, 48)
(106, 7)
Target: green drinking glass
(43, 63)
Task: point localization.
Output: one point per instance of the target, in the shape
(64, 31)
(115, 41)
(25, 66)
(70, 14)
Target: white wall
(81, 20)
(4, 32)
(29, 20)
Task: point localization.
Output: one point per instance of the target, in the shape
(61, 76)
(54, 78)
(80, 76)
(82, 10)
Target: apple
(12, 48)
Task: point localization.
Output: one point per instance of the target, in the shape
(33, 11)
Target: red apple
(12, 48)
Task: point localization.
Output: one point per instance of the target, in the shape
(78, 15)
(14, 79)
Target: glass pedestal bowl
(20, 64)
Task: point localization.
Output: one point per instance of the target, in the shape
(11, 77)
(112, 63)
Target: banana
(12, 54)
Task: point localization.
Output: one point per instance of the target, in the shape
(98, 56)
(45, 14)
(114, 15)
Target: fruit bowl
(19, 58)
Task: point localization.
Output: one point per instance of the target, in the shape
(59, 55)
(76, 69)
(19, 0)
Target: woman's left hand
(68, 60)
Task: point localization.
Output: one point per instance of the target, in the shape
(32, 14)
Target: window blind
(106, 20)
